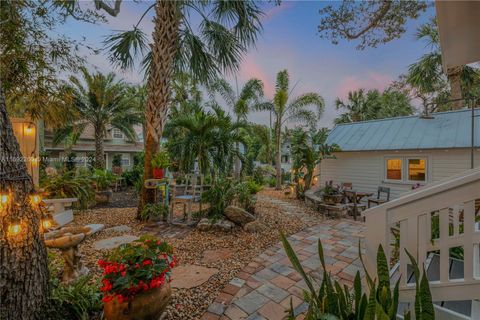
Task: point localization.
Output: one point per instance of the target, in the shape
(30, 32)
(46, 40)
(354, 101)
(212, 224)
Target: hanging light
(29, 129)
(3, 199)
(47, 221)
(15, 227)
(35, 199)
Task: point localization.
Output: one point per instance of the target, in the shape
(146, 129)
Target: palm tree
(100, 104)
(136, 98)
(284, 109)
(426, 75)
(241, 103)
(224, 33)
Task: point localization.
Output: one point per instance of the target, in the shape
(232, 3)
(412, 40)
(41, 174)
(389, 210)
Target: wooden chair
(187, 194)
(347, 186)
(379, 199)
(354, 207)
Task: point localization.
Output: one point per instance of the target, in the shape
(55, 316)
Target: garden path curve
(264, 288)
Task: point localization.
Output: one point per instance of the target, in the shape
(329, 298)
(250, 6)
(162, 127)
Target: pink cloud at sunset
(250, 69)
(371, 80)
(275, 10)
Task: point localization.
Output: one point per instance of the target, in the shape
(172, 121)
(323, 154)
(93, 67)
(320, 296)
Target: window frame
(125, 159)
(385, 171)
(407, 177)
(117, 132)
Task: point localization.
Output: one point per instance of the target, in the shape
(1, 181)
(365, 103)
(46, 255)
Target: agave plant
(332, 301)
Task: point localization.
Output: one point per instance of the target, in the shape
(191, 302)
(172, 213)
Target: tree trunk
(164, 48)
(238, 163)
(99, 156)
(23, 264)
(454, 78)
(278, 164)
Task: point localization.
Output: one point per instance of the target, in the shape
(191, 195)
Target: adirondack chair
(187, 194)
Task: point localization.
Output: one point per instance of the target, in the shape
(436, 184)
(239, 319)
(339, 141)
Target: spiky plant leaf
(372, 305)
(428, 312)
(392, 312)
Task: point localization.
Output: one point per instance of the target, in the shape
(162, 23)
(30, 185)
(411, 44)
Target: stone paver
(264, 288)
(190, 276)
(111, 243)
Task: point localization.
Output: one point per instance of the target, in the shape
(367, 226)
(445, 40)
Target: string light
(15, 227)
(29, 129)
(3, 199)
(47, 222)
(35, 199)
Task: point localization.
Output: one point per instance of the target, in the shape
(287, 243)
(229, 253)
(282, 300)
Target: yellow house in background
(27, 134)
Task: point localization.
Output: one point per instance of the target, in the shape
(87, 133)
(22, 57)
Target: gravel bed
(192, 303)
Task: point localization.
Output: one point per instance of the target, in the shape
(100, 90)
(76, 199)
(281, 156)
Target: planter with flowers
(136, 280)
(160, 163)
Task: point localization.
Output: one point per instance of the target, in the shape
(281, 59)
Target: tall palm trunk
(23, 263)
(454, 78)
(238, 163)
(99, 153)
(164, 48)
(278, 162)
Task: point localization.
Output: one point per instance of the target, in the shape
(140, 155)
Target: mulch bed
(192, 303)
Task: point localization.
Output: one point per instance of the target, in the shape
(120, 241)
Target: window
(117, 134)
(416, 170)
(125, 160)
(394, 169)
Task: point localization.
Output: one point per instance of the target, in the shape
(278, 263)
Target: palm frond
(124, 46)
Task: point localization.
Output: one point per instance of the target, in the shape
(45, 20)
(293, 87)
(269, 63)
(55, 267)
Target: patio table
(360, 196)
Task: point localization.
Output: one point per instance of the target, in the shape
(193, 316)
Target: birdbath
(67, 240)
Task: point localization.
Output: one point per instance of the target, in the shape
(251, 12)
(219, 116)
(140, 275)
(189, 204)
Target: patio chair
(347, 186)
(354, 207)
(380, 199)
(187, 194)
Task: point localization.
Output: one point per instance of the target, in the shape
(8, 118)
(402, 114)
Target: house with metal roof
(400, 153)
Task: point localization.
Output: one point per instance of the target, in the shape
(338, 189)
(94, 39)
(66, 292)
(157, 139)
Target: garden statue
(67, 240)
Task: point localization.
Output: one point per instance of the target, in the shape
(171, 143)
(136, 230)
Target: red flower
(124, 273)
(147, 262)
(107, 298)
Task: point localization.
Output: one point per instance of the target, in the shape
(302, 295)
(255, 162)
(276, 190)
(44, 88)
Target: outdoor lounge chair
(379, 199)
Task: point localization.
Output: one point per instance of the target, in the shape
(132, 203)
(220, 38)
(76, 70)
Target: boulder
(221, 225)
(254, 226)
(238, 215)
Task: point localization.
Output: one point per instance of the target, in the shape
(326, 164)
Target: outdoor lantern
(29, 129)
(15, 227)
(47, 221)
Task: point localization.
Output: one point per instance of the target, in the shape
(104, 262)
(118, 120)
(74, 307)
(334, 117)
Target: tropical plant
(117, 160)
(361, 106)
(136, 267)
(70, 184)
(332, 301)
(136, 172)
(100, 103)
(245, 195)
(70, 163)
(103, 179)
(219, 196)
(224, 33)
(426, 76)
(161, 160)
(154, 210)
(240, 102)
(285, 108)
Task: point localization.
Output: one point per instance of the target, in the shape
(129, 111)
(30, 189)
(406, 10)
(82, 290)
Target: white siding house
(401, 152)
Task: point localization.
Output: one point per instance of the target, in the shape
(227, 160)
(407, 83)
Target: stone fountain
(67, 240)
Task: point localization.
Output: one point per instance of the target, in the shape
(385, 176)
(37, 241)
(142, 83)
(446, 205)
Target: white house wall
(366, 170)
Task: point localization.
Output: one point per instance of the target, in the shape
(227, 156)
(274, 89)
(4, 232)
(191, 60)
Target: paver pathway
(265, 287)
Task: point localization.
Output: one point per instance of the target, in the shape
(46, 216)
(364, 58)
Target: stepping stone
(122, 228)
(94, 228)
(111, 243)
(210, 256)
(190, 276)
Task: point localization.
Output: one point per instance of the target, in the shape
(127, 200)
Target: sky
(289, 40)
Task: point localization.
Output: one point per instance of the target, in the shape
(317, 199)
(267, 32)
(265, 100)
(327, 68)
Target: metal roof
(450, 129)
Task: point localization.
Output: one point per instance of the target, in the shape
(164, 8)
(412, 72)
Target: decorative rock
(254, 226)
(221, 225)
(122, 228)
(94, 228)
(190, 276)
(111, 243)
(210, 256)
(238, 215)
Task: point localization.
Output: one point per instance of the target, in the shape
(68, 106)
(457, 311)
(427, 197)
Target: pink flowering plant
(136, 267)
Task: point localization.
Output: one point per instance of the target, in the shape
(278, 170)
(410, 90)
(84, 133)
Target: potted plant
(117, 163)
(136, 280)
(102, 180)
(330, 195)
(160, 162)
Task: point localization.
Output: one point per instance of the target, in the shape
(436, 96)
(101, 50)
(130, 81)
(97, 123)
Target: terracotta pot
(147, 305)
(103, 196)
(117, 170)
(158, 173)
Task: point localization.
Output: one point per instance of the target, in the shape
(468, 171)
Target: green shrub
(70, 163)
(219, 196)
(103, 179)
(253, 187)
(272, 182)
(245, 196)
(154, 210)
(70, 185)
(161, 160)
(332, 301)
(117, 160)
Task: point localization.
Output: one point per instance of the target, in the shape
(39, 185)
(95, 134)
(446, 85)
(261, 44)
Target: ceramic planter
(144, 306)
(158, 173)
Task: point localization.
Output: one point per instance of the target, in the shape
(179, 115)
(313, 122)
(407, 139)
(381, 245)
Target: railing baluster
(423, 238)
(403, 255)
(443, 244)
(468, 229)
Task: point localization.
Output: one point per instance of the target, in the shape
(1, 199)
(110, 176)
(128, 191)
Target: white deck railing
(450, 204)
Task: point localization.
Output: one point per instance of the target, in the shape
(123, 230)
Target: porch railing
(439, 219)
